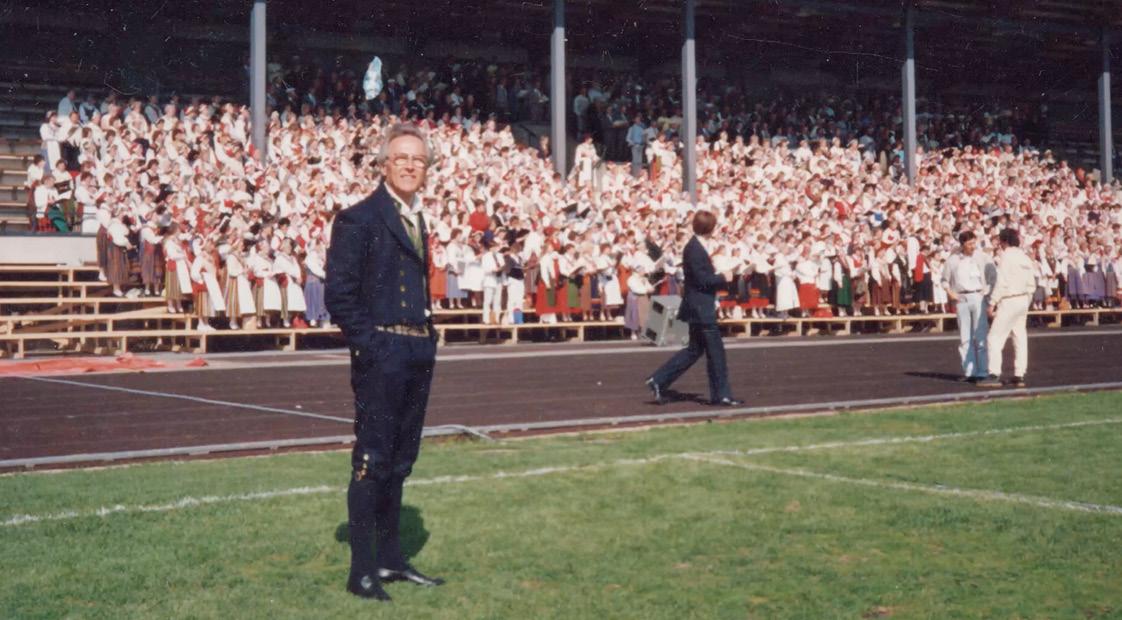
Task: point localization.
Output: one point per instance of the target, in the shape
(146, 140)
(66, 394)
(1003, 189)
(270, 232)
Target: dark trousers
(705, 339)
(391, 382)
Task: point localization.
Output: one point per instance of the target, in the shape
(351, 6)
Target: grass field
(1004, 510)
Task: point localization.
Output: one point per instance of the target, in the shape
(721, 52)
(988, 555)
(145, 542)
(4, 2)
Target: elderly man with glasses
(376, 291)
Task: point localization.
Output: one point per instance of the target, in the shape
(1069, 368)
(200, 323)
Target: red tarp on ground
(76, 365)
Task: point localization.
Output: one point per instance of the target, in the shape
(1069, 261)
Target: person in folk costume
(569, 264)
(289, 279)
(454, 260)
(1075, 270)
(585, 160)
(152, 258)
(607, 270)
(438, 271)
(239, 291)
(177, 276)
(806, 272)
(898, 282)
(841, 282)
(472, 279)
(1043, 277)
(639, 290)
(116, 253)
(878, 281)
(1113, 285)
(266, 293)
(937, 262)
(825, 282)
(786, 291)
(515, 277)
(314, 277)
(923, 286)
(1094, 279)
(858, 278)
(760, 284)
(1116, 269)
(491, 261)
(208, 301)
(104, 219)
(549, 301)
(724, 263)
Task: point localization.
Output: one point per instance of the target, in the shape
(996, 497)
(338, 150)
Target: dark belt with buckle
(404, 329)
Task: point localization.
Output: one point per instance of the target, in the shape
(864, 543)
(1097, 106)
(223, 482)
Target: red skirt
(808, 296)
(438, 283)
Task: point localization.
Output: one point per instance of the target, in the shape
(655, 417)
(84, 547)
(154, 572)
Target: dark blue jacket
(699, 299)
(374, 274)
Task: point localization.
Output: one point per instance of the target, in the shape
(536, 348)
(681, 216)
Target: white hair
(398, 130)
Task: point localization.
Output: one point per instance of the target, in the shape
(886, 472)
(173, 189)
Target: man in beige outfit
(1008, 309)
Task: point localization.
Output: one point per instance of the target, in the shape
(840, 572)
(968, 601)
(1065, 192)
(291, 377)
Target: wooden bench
(79, 341)
(60, 288)
(7, 304)
(575, 330)
(62, 273)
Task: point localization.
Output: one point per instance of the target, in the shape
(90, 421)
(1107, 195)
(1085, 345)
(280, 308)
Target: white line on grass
(888, 441)
(711, 456)
(976, 494)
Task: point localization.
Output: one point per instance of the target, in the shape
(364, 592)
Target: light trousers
(515, 297)
(492, 303)
(972, 328)
(1011, 318)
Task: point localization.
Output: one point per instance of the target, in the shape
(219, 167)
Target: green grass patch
(669, 538)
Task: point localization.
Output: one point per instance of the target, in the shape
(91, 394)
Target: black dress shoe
(408, 574)
(656, 390)
(727, 402)
(367, 586)
(1017, 382)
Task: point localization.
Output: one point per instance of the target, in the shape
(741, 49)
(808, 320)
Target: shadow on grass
(413, 532)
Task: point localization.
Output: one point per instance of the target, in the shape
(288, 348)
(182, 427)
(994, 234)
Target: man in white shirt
(68, 103)
(1008, 307)
(965, 282)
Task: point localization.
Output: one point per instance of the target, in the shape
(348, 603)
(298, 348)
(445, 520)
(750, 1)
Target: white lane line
(888, 441)
(975, 494)
(194, 399)
(188, 502)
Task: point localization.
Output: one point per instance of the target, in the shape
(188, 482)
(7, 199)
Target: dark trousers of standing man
(391, 382)
(705, 339)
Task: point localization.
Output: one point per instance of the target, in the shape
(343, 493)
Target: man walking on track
(377, 293)
(699, 309)
(1009, 304)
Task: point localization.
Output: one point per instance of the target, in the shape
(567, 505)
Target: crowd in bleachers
(815, 216)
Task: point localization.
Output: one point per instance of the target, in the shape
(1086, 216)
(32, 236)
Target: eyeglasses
(403, 160)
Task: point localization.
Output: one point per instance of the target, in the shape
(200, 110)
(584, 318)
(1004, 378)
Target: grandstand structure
(1054, 52)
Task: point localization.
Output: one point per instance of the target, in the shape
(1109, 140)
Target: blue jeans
(973, 327)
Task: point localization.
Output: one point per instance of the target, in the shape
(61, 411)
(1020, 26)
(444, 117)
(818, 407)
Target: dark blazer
(699, 299)
(374, 274)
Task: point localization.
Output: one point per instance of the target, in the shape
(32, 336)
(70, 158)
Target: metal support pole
(558, 134)
(257, 78)
(1106, 131)
(908, 101)
(689, 105)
